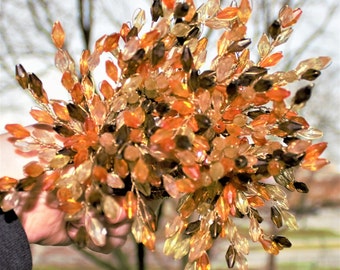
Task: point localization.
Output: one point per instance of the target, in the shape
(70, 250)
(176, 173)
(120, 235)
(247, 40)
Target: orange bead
(111, 70)
(183, 107)
(58, 35)
(130, 204)
(192, 171)
(33, 169)
(50, 180)
(121, 167)
(271, 60)
(228, 13)
(277, 94)
(230, 113)
(42, 116)
(219, 126)
(17, 131)
(6, 183)
(111, 42)
(70, 207)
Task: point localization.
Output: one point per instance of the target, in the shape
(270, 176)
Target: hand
(42, 220)
(44, 223)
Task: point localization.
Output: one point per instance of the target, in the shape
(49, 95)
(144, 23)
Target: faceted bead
(283, 36)
(263, 46)
(274, 29)
(192, 227)
(63, 61)
(271, 60)
(121, 167)
(96, 230)
(59, 161)
(282, 241)
(83, 64)
(185, 185)
(148, 216)
(6, 183)
(71, 207)
(137, 229)
(302, 95)
(241, 203)
(17, 130)
(131, 153)
(186, 206)
(140, 171)
(183, 142)
(310, 74)
(315, 150)
(215, 229)
(317, 63)
(33, 169)
(275, 167)
(263, 85)
(269, 246)
(111, 207)
(58, 35)
(183, 107)
(199, 242)
(157, 53)
(216, 171)
(314, 164)
(310, 133)
(114, 181)
(181, 10)
(207, 79)
(130, 48)
(149, 239)
(222, 208)
(111, 70)
(254, 230)
(134, 118)
(203, 262)
(170, 186)
(76, 112)
(156, 10)
(171, 228)
(21, 76)
(130, 204)
(227, 13)
(61, 111)
(77, 93)
(111, 42)
(186, 59)
(276, 216)
(239, 45)
(290, 220)
(230, 256)
(10, 201)
(68, 80)
(288, 16)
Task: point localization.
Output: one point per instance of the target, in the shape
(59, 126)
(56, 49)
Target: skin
(39, 214)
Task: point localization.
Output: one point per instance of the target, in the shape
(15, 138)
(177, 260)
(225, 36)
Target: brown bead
(274, 29)
(276, 217)
(311, 74)
(156, 10)
(186, 59)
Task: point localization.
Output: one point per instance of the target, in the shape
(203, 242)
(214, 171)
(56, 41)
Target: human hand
(42, 220)
(44, 223)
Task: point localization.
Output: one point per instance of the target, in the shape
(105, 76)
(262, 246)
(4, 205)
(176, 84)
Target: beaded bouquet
(159, 126)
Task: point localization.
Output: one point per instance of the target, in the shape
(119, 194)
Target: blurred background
(25, 27)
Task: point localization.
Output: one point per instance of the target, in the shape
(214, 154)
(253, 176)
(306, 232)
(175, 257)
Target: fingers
(117, 230)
